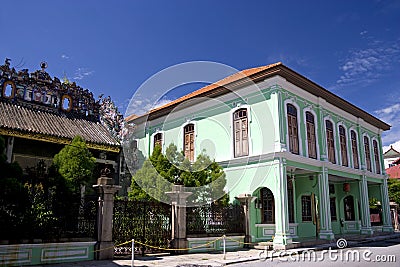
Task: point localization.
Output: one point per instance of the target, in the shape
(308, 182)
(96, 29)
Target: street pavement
(244, 257)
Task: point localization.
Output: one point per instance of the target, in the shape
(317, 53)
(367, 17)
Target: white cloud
(81, 73)
(289, 60)
(64, 56)
(364, 66)
(139, 106)
(161, 103)
(390, 115)
(363, 33)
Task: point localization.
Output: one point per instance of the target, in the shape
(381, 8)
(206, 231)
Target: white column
(282, 235)
(365, 214)
(387, 220)
(324, 207)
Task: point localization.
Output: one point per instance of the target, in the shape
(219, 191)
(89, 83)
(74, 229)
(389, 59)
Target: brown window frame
(293, 129)
(290, 192)
(240, 133)
(330, 141)
(268, 206)
(332, 205)
(188, 141)
(311, 137)
(157, 139)
(376, 156)
(368, 163)
(349, 210)
(306, 208)
(354, 149)
(343, 146)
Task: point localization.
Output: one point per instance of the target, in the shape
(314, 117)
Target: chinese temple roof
(35, 106)
(391, 153)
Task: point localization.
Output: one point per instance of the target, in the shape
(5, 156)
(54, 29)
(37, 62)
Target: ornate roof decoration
(36, 106)
(39, 91)
(111, 117)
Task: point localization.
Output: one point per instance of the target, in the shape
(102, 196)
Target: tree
(75, 162)
(14, 200)
(158, 172)
(394, 190)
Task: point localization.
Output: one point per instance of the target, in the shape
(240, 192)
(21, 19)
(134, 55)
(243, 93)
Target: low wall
(46, 253)
(207, 244)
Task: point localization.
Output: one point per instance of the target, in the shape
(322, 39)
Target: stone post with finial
(106, 189)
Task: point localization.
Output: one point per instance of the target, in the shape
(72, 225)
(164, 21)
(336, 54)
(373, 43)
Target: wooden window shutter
(292, 129)
(241, 138)
(189, 141)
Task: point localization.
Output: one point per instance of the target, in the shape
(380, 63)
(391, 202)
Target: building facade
(391, 157)
(39, 115)
(310, 160)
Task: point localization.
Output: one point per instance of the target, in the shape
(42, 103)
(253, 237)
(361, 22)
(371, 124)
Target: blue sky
(349, 47)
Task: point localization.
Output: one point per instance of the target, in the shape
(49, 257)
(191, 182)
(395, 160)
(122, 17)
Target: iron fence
(75, 220)
(215, 219)
(147, 222)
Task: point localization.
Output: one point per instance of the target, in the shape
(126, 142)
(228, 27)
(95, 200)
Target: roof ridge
(224, 81)
(391, 149)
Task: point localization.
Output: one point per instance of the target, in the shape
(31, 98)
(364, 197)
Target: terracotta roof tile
(35, 121)
(259, 73)
(232, 78)
(394, 171)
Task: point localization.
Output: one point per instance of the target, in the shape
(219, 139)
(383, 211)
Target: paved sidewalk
(210, 259)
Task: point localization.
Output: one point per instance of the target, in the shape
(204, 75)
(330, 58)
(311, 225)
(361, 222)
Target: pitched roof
(391, 153)
(232, 78)
(394, 171)
(247, 76)
(31, 122)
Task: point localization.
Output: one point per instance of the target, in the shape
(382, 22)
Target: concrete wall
(35, 254)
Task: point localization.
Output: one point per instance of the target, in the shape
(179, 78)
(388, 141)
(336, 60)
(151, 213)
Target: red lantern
(346, 187)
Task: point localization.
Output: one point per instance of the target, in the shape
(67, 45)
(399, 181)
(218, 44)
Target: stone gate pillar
(178, 200)
(106, 189)
(245, 200)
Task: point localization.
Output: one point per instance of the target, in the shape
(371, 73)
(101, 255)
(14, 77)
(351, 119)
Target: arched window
(240, 132)
(268, 206)
(354, 149)
(376, 157)
(343, 145)
(311, 140)
(367, 153)
(330, 140)
(348, 203)
(188, 142)
(293, 129)
(157, 140)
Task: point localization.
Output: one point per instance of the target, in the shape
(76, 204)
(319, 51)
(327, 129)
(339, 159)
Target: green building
(311, 161)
